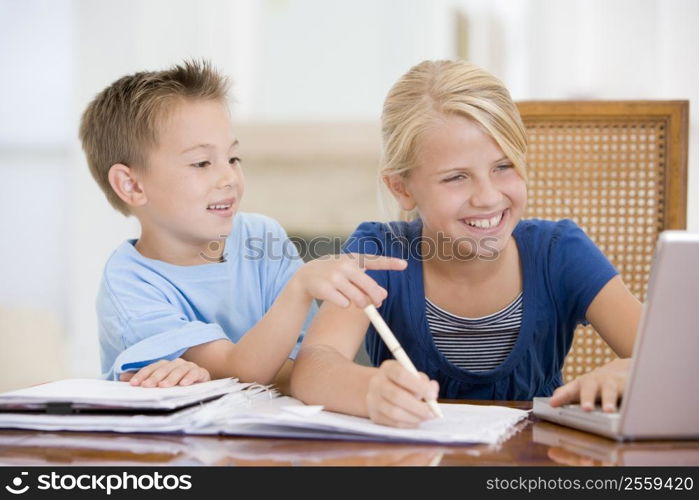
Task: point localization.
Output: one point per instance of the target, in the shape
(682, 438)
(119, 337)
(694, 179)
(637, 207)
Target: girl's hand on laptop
(606, 382)
(166, 373)
(341, 279)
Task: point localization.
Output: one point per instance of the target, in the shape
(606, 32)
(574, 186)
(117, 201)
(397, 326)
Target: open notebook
(253, 410)
(94, 395)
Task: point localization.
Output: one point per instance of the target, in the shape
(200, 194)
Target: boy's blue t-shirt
(150, 310)
(562, 272)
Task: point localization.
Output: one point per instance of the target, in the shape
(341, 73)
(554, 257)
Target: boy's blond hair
(121, 123)
(433, 89)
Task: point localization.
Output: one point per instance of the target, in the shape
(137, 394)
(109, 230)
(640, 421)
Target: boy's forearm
(264, 349)
(323, 376)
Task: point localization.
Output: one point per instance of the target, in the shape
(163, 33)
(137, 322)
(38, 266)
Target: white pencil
(395, 347)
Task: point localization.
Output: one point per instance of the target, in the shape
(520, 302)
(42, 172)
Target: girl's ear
(126, 186)
(396, 183)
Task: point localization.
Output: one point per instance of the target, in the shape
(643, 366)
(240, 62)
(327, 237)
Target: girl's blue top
(562, 272)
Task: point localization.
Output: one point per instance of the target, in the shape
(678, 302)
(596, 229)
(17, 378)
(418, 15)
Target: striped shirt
(475, 344)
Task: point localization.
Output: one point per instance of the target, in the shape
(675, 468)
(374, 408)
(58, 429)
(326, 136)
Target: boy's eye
(201, 164)
(235, 160)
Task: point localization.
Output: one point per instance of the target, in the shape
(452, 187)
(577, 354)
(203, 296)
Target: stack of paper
(84, 394)
(256, 411)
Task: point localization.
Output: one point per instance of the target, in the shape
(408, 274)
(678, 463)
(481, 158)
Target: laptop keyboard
(596, 412)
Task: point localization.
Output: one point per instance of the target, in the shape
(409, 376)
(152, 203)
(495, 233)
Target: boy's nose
(229, 177)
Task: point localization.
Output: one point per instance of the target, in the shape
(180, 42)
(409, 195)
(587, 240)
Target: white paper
(256, 411)
(461, 424)
(108, 393)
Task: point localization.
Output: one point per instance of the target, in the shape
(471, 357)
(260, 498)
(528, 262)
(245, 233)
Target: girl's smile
(487, 224)
(462, 185)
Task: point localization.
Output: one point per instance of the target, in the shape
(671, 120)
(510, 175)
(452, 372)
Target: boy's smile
(222, 208)
(192, 183)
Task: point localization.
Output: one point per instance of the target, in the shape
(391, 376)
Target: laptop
(661, 399)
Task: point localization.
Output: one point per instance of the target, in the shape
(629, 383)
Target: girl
(487, 306)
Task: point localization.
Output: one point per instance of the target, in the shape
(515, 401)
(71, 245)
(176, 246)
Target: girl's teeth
(485, 223)
(219, 207)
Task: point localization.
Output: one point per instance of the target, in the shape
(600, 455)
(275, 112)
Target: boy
(206, 291)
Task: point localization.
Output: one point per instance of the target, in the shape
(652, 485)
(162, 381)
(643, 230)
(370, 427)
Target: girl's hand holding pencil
(398, 395)
(394, 346)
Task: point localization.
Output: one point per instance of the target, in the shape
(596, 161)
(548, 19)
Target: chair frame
(676, 117)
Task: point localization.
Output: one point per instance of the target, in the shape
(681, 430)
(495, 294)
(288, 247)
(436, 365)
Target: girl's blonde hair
(436, 88)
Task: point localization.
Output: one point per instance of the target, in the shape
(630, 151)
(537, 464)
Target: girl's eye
(455, 178)
(506, 166)
(201, 164)
(235, 160)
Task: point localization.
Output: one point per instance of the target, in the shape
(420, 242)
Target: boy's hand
(341, 279)
(165, 373)
(607, 381)
(397, 397)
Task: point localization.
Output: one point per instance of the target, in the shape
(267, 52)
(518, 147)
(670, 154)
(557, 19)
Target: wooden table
(537, 443)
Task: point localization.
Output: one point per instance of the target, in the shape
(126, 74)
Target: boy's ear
(126, 186)
(399, 189)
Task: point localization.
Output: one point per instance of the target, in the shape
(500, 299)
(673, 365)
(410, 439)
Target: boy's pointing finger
(380, 262)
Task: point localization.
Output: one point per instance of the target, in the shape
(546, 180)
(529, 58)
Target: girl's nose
(486, 194)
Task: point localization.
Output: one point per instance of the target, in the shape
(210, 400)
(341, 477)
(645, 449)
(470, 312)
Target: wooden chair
(619, 170)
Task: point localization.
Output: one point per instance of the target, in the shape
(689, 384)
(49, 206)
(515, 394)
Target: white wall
(292, 60)
(36, 54)
(320, 60)
(625, 49)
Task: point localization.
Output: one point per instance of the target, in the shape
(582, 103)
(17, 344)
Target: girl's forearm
(342, 387)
